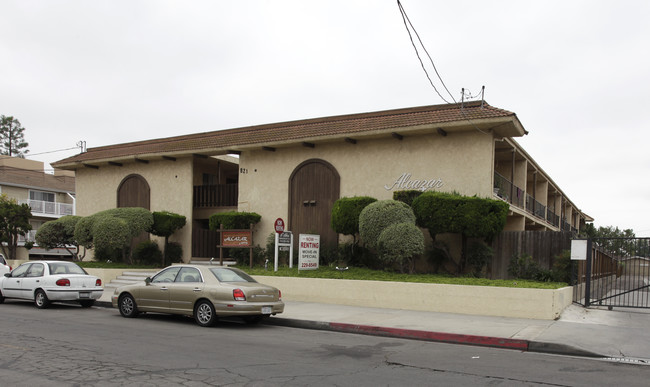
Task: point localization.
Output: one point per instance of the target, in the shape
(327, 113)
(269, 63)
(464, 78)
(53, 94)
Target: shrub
(471, 216)
(147, 253)
(345, 214)
(379, 215)
(478, 255)
(165, 224)
(406, 196)
(523, 267)
(562, 267)
(400, 243)
(174, 252)
(234, 220)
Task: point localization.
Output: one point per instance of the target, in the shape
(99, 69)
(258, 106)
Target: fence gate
(616, 273)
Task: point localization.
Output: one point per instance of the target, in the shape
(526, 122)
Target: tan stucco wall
(463, 161)
(543, 304)
(170, 184)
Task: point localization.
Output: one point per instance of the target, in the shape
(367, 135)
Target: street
(66, 345)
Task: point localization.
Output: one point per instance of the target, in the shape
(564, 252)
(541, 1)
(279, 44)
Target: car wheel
(86, 303)
(40, 299)
(127, 306)
(2, 298)
(204, 313)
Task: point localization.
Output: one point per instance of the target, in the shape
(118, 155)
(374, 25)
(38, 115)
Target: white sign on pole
(579, 250)
(308, 252)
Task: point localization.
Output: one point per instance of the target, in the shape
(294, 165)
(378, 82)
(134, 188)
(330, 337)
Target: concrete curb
(450, 338)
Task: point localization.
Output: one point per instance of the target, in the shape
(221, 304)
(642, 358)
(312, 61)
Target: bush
(479, 255)
(562, 267)
(345, 214)
(242, 256)
(406, 196)
(147, 253)
(174, 252)
(376, 217)
(471, 216)
(400, 243)
(523, 267)
(234, 220)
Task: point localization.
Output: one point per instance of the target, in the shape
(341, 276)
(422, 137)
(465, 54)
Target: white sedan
(4, 267)
(47, 281)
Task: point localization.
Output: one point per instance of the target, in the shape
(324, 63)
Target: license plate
(84, 295)
(267, 310)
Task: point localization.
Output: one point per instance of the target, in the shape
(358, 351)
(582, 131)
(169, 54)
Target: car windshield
(230, 275)
(65, 268)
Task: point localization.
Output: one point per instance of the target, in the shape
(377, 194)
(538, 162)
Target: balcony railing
(534, 207)
(221, 195)
(40, 207)
(552, 218)
(507, 191)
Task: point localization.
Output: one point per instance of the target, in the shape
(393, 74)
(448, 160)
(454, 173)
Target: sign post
(279, 229)
(285, 243)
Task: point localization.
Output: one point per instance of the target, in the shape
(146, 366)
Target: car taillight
(98, 282)
(63, 282)
(238, 294)
(279, 294)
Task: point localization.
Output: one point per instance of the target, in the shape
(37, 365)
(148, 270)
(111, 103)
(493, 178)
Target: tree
(14, 222)
(164, 225)
(113, 229)
(12, 137)
(59, 233)
(401, 243)
(620, 243)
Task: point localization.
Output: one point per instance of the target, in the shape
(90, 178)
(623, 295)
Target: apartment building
(50, 196)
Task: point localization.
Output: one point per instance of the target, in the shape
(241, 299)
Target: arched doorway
(313, 188)
(134, 191)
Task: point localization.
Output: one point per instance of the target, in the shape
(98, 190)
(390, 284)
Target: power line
(407, 23)
(81, 145)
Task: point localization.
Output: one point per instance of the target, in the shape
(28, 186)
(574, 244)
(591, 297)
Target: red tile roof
(296, 131)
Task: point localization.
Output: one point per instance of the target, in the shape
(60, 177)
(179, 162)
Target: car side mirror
(147, 280)
(8, 275)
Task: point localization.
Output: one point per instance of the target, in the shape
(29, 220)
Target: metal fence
(616, 273)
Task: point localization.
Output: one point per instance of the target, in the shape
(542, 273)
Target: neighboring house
(50, 196)
(296, 170)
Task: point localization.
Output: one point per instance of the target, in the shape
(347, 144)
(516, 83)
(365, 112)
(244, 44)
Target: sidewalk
(619, 333)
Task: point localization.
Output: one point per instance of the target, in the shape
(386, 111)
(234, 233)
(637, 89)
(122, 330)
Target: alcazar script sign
(236, 238)
(404, 182)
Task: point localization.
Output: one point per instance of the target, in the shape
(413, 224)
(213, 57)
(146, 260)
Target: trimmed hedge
(165, 223)
(406, 196)
(346, 211)
(471, 216)
(378, 216)
(233, 220)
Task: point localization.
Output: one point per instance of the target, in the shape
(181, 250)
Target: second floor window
(42, 196)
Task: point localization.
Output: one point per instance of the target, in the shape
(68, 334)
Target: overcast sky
(576, 73)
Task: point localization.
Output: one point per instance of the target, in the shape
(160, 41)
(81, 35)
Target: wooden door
(313, 189)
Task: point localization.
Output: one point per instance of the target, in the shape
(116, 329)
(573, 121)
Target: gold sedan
(204, 292)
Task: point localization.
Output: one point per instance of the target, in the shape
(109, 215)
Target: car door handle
(163, 288)
(196, 289)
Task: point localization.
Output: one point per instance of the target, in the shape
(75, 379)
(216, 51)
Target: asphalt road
(67, 346)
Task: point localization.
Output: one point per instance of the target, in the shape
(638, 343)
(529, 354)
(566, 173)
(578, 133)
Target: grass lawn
(355, 273)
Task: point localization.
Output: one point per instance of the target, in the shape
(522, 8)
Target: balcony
(552, 218)
(220, 195)
(534, 207)
(49, 209)
(507, 191)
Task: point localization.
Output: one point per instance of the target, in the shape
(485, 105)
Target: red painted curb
(455, 338)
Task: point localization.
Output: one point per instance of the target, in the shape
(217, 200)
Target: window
(42, 196)
(36, 270)
(231, 275)
(188, 274)
(167, 275)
